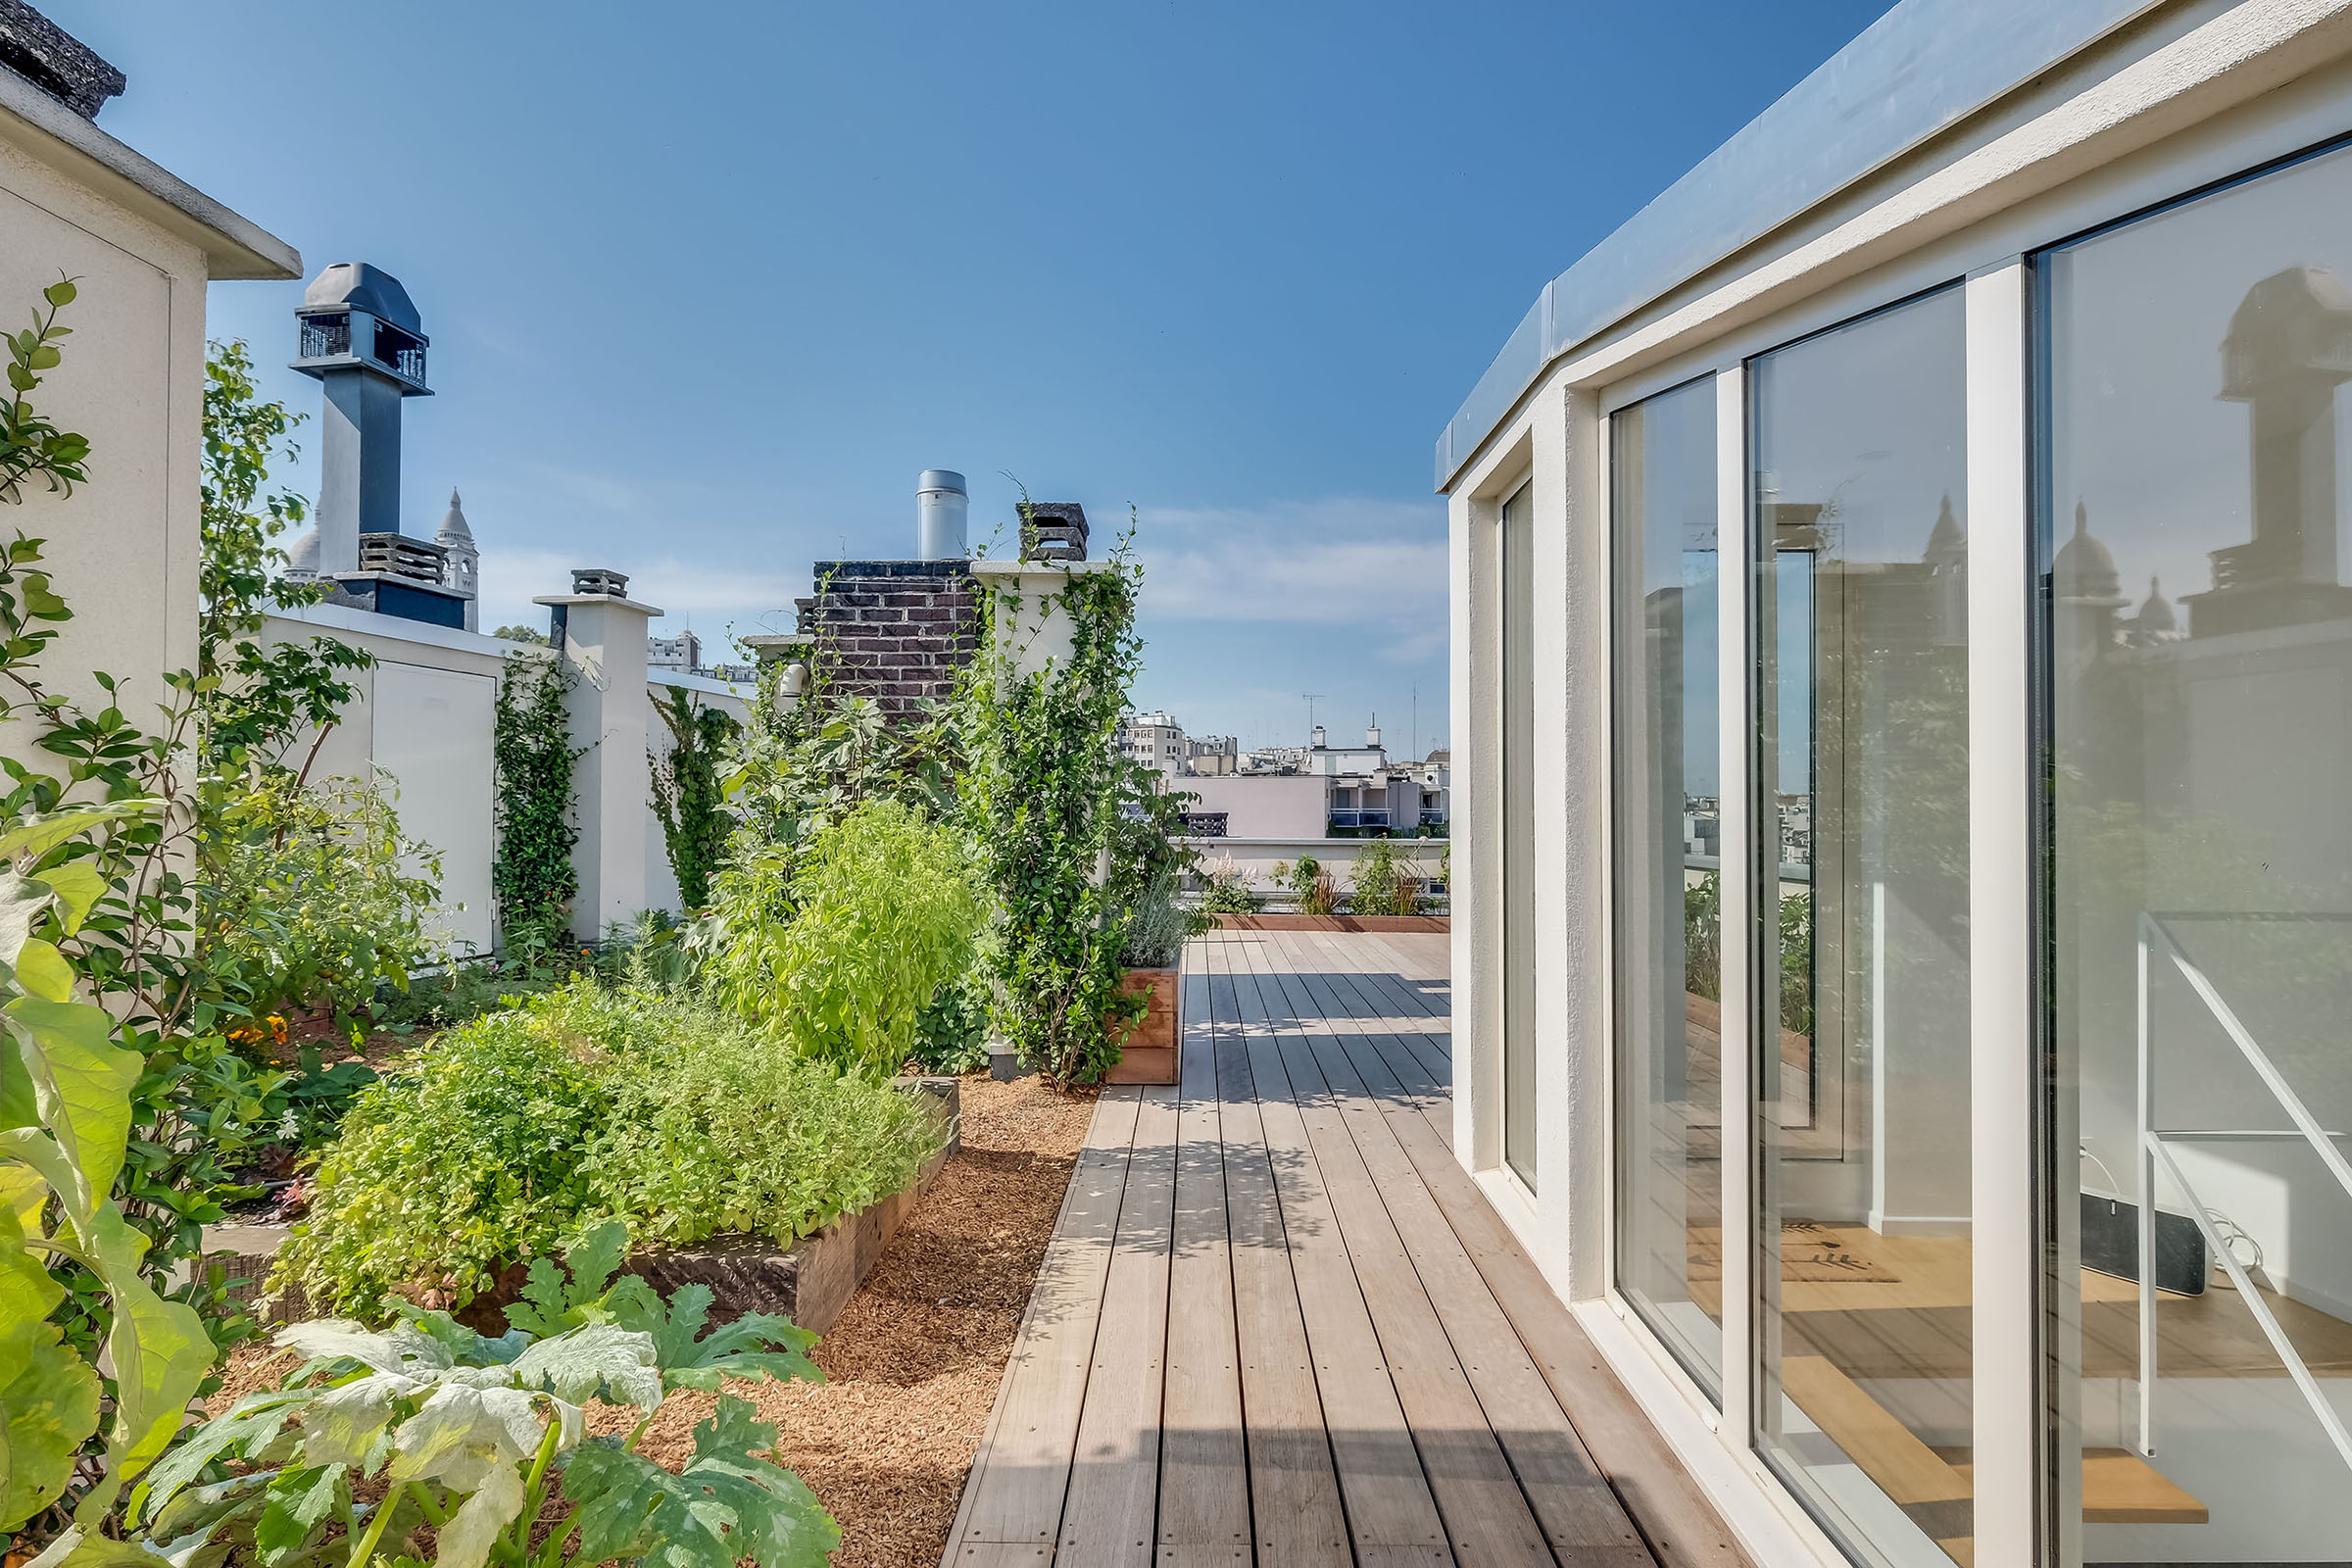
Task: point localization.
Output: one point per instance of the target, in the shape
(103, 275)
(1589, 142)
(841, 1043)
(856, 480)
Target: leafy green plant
(65, 1125)
(1797, 963)
(1040, 798)
(1384, 882)
(1309, 883)
(583, 1104)
(532, 878)
(312, 902)
(261, 696)
(29, 444)
(1702, 937)
(843, 953)
(1225, 888)
(952, 1034)
(688, 799)
(1148, 867)
(379, 1437)
(715, 1131)
(469, 1159)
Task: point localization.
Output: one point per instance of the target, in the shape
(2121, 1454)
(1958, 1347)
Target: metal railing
(2155, 937)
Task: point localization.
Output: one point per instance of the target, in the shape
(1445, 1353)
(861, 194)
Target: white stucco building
(1902, 663)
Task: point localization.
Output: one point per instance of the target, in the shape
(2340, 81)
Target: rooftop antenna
(1415, 753)
(1311, 709)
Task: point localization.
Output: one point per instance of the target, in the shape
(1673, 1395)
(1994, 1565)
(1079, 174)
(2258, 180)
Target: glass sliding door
(1860, 644)
(1669, 874)
(2196, 484)
(1518, 838)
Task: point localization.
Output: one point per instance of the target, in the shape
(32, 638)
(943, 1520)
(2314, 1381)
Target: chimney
(361, 336)
(1372, 733)
(940, 504)
(1318, 737)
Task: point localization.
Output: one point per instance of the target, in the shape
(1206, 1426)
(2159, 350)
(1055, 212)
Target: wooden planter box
(1431, 923)
(810, 1282)
(1150, 1054)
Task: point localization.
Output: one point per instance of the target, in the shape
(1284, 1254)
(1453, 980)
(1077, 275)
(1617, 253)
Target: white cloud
(709, 594)
(1373, 563)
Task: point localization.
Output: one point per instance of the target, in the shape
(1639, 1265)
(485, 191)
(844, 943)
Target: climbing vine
(1040, 796)
(532, 878)
(688, 796)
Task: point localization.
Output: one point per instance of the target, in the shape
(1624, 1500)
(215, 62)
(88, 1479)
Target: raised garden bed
(809, 1282)
(1335, 922)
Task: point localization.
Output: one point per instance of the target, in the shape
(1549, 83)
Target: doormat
(1810, 1255)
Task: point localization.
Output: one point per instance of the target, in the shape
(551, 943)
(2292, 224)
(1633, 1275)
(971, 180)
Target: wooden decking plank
(1571, 1498)
(1204, 1462)
(1388, 1496)
(1364, 993)
(1114, 1475)
(1487, 1518)
(1294, 1490)
(1019, 1480)
(1411, 1069)
(1675, 1517)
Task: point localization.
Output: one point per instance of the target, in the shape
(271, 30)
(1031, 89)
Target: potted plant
(1151, 867)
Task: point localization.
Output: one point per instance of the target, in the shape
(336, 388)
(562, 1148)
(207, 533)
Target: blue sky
(709, 284)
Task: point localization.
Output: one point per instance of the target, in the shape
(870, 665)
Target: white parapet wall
(425, 717)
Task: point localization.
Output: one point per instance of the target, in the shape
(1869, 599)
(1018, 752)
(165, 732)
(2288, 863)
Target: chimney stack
(1372, 733)
(1318, 737)
(940, 504)
(361, 336)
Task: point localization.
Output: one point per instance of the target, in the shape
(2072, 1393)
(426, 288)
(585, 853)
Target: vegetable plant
(380, 1435)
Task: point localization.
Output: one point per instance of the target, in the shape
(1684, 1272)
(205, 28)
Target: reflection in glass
(1669, 874)
(1517, 563)
(2200, 669)
(1862, 1117)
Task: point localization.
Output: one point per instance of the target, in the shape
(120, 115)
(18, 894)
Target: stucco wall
(123, 549)
(1276, 806)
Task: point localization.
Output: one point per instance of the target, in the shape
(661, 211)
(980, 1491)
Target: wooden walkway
(1278, 1325)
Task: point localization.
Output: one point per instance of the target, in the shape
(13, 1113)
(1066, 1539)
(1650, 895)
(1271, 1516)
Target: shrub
(844, 952)
(1384, 882)
(1312, 886)
(586, 1103)
(312, 901)
(1148, 866)
(952, 1035)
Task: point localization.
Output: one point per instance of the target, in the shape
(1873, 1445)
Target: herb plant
(878, 912)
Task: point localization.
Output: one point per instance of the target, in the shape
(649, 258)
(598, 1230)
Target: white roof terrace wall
(123, 550)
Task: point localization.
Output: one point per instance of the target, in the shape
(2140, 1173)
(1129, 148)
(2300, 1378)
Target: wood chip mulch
(913, 1366)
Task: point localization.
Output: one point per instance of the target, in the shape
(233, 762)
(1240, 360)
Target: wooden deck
(1277, 1324)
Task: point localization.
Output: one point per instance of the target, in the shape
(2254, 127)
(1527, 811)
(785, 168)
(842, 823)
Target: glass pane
(1669, 875)
(1518, 836)
(2200, 602)
(1862, 1244)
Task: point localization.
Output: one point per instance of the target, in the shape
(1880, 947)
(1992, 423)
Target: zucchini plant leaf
(726, 1505)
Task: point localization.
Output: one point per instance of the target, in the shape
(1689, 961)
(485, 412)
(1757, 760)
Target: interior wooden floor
(1279, 1325)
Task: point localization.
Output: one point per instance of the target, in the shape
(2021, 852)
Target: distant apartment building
(1154, 740)
(1325, 791)
(684, 651)
(1212, 756)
